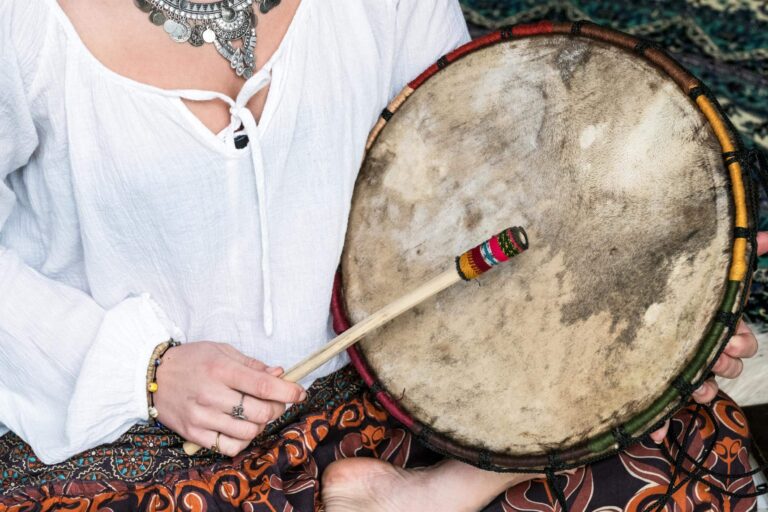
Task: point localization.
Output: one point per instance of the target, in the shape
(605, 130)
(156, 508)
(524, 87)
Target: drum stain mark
(569, 58)
(626, 285)
(472, 216)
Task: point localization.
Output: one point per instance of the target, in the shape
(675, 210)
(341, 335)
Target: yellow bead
(152, 387)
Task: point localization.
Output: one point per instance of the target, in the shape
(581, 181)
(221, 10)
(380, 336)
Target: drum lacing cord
(699, 471)
(677, 463)
(554, 466)
(752, 160)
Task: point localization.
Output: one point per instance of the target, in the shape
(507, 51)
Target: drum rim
(742, 264)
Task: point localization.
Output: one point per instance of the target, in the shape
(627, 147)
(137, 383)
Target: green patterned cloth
(723, 42)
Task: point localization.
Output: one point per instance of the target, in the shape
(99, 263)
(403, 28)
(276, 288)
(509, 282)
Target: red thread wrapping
(532, 29)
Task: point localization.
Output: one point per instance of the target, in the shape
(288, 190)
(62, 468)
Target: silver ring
(238, 411)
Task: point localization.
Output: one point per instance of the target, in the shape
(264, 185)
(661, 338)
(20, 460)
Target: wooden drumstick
(468, 266)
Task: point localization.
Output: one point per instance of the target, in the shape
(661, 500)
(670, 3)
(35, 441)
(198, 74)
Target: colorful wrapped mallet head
(497, 249)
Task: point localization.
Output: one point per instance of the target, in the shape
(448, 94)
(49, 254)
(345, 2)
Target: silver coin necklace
(218, 23)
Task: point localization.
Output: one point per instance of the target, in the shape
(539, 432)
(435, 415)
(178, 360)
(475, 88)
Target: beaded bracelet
(154, 362)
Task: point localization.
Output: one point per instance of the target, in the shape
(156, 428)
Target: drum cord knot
(754, 161)
(622, 437)
(578, 25)
(644, 44)
(684, 387)
(727, 318)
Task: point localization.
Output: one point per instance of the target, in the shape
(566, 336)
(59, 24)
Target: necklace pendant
(143, 5)
(196, 36)
(209, 36)
(242, 60)
(157, 17)
(178, 31)
(219, 23)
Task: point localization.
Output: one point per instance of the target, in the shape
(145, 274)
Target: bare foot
(371, 485)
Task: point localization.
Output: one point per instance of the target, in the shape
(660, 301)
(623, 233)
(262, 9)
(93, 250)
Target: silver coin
(170, 26)
(209, 35)
(157, 17)
(143, 5)
(182, 33)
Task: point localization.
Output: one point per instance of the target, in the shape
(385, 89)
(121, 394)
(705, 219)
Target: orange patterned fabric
(146, 468)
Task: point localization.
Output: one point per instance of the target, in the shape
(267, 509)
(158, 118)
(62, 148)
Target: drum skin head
(620, 184)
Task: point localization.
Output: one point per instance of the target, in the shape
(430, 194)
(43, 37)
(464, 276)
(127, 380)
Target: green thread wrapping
(506, 244)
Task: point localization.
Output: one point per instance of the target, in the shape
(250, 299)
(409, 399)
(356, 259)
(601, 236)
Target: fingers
(260, 384)
(234, 428)
(243, 359)
(743, 343)
(253, 377)
(728, 367)
(227, 445)
(706, 392)
(255, 410)
(762, 243)
(660, 434)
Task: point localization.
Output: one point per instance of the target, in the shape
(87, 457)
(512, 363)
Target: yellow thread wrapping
(465, 264)
(739, 263)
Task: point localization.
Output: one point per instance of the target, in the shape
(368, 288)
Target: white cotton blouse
(125, 221)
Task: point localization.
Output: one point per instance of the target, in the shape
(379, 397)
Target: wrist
(152, 387)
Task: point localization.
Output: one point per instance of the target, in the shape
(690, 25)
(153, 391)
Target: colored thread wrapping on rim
(497, 249)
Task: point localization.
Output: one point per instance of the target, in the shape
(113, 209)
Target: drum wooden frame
(721, 327)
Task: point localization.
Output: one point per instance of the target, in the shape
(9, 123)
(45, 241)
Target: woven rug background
(723, 42)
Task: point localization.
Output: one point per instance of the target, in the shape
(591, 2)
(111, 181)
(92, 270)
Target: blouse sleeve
(425, 31)
(72, 373)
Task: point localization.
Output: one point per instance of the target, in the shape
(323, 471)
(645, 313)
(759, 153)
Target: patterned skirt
(146, 468)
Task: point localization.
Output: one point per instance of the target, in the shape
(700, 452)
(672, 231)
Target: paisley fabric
(723, 42)
(147, 470)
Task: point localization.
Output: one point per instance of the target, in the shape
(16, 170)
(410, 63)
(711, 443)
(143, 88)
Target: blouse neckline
(239, 113)
(178, 93)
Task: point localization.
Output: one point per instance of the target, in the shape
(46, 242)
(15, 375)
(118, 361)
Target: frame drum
(634, 192)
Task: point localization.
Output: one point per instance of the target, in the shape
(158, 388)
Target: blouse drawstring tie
(241, 114)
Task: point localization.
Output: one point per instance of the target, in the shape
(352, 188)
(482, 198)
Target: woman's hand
(743, 344)
(198, 385)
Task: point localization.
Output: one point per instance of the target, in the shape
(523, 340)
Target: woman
(152, 192)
